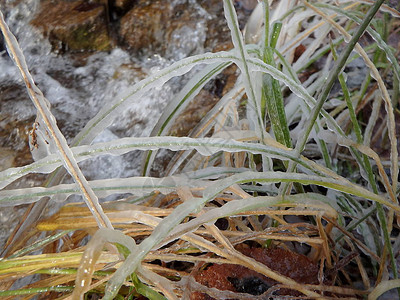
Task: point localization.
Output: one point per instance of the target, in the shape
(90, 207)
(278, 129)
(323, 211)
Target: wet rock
(2, 45)
(16, 111)
(120, 7)
(193, 114)
(162, 28)
(143, 27)
(238, 278)
(218, 34)
(74, 25)
(207, 98)
(248, 4)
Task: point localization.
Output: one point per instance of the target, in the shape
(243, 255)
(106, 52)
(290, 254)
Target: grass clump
(281, 161)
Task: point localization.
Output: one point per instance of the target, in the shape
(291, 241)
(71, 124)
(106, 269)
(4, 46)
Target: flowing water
(77, 86)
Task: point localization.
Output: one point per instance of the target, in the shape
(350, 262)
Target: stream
(79, 82)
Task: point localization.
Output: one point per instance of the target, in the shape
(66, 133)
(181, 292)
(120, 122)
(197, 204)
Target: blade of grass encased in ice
(178, 104)
(272, 95)
(33, 291)
(39, 244)
(238, 43)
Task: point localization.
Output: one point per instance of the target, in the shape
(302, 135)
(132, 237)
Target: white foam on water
(77, 94)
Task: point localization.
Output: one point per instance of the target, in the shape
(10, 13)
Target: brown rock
(159, 27)
(74, 25)
(193, 114)
(218, 34)
(144, 26)
(240, 279)
(121, 7)
(16, 118)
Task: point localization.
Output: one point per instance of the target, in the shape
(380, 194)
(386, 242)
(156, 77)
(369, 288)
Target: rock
(193, 114)
(74, 25)
(120, 7)
(162, 28)
(16, 118)
(144, 26)
(218, 34)
(248, 4)
(238, 278)
(205, 100)
(2, 45)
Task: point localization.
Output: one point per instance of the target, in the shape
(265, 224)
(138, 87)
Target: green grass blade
(237, 39)
(32, 291)
(271, 90)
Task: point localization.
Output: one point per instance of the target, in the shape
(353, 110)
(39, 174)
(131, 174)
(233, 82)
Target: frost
(138, 186)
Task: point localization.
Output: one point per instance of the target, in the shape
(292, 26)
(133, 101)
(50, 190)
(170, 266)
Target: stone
(16, 118)
(74, 25)
(193, 114)
(237, 278)
(144, 26)
(218, 34)
(121, 7)
(162, 28)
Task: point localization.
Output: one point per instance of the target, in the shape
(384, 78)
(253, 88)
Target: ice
(186, 41)
(78, 88)
(77, 93)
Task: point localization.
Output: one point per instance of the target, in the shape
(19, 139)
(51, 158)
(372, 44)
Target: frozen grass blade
(38, 244)
(55, 134)
(238, 43)
(106, 115)
(138, 186)
(93, 252)
(205, 146)
(34, 291)
(272, 94)
(383, 287)
(178, 104)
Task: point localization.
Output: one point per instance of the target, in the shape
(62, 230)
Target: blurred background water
(79, 73)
